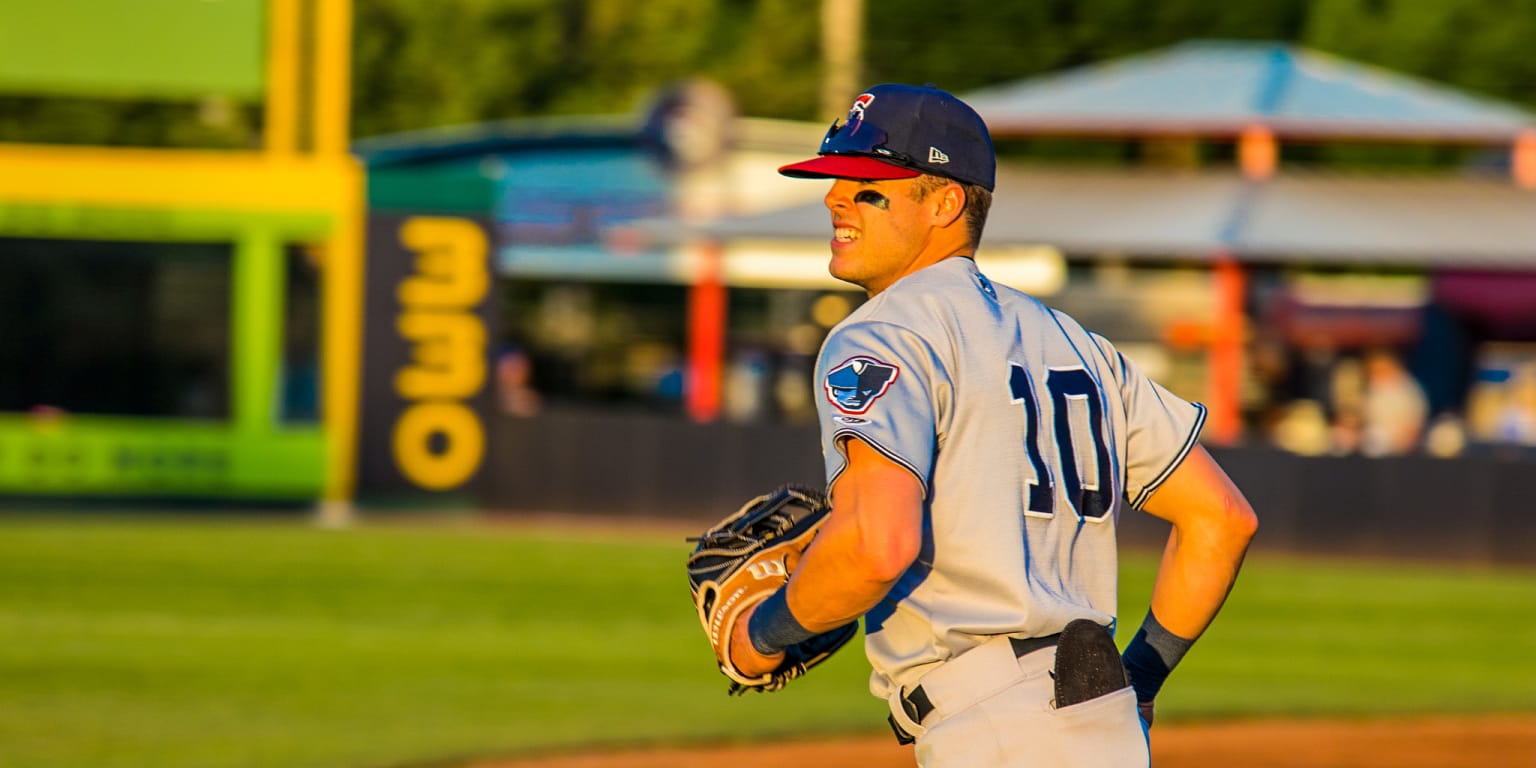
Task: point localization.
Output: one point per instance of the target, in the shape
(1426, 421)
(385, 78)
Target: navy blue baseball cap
(903, 131)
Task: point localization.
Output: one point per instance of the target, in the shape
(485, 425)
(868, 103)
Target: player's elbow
(1238, 523)
(887, 555)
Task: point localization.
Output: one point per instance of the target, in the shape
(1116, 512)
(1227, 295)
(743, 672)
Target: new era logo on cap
(897, 131)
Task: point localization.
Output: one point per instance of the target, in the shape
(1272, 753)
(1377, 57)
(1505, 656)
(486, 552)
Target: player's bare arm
(872, 536)
(1212, 525)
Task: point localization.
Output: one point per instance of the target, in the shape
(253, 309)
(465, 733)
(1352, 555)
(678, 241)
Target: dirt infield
(1440, 742)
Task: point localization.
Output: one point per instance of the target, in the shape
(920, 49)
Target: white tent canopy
(1410, 220)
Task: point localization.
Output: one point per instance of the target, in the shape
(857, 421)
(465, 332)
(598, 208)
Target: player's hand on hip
(744, 656)
(1144, 708)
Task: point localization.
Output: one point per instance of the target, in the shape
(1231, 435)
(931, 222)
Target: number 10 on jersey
(1071, 390)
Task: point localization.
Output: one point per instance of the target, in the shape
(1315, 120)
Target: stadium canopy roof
(1214, 88)
(1219, 88)
(1429, 221)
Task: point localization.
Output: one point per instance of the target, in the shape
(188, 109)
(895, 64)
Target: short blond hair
(978, 201)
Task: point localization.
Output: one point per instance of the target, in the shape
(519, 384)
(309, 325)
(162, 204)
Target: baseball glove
(741, 560)
(1087, 664)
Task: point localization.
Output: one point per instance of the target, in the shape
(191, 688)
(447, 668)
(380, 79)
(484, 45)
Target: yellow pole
(333, 77)
(282, 121)
(342, 293)
(341, 349)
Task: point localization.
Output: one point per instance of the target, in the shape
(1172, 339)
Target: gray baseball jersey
(1029, 435)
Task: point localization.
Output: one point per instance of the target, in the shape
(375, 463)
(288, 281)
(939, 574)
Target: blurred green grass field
(174, 642)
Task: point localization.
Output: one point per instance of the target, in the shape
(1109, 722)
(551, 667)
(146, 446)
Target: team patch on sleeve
(858, 381)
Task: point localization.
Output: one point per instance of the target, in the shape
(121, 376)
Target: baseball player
(980, 448)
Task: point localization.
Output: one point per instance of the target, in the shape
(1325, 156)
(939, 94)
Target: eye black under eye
(873, 198)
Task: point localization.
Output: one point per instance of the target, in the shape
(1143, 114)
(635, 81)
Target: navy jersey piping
(882, 450)
(1189, 445)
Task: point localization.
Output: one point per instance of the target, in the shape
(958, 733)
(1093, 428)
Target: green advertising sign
(84, 455)
(47, 449)
(152, 48)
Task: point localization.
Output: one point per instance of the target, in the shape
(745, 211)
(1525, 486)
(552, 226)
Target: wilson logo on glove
(768, 570)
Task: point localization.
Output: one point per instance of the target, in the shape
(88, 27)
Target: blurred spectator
(792, 389)
(655, 371)
(1347, 394)
(1395, 408)
(1315, 371)
(514, 383)
(1517, 416)
(1303, 429)
(1347, 432)
(1446, 436)
(747, 386)
(670, 385)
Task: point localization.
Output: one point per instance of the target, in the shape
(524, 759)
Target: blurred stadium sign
(426, 388)
(166, 48)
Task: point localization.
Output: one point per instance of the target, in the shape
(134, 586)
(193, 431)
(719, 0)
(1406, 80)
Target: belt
(918, 706)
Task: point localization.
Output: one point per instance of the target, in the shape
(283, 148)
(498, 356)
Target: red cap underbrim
(848, 167)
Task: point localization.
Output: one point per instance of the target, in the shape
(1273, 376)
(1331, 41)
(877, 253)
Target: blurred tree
(1479, 45)
(425, 63)
(979, 42)
(1475, 45)
(622, 50)
(419, 64)
(769, 56)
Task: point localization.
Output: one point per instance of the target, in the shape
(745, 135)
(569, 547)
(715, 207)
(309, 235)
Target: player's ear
(947, 204)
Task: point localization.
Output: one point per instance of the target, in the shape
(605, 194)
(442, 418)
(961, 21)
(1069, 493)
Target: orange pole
(1258, 154)
(1523, 159)
(1258, 158)
(1225, 422)
(707, 307)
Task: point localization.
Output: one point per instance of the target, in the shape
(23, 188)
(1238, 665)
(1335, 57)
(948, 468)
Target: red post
(1258, 155)
(1522, 162)
(1224, 424)
(707, 308)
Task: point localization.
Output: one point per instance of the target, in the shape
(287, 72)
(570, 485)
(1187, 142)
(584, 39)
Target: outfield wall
(599, 462)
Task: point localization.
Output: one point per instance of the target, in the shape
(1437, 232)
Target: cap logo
(856, 112)
(937, 156)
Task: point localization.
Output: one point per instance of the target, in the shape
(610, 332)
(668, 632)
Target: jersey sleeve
(882, 384)
(1161, 427)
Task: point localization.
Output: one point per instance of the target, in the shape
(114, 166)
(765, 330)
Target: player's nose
(840, 196)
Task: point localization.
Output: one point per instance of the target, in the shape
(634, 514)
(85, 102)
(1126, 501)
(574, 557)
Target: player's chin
(844, 266)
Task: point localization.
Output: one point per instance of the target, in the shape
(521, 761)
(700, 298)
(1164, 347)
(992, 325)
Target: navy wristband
(1151, 655)
(773, 628)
